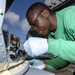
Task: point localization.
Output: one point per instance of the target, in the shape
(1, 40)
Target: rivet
(3, 57)
(2, 51)
(1, 44)
(1, 12)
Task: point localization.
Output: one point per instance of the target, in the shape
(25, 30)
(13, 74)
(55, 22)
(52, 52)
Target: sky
(15, 19)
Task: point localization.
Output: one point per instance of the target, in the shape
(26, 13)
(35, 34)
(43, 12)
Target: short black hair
(37, 7)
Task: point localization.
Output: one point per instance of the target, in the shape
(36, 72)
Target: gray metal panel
(35, 71)
(3, 57)
(53, 3)
(57, 5)
(2, 11)
(3, 53)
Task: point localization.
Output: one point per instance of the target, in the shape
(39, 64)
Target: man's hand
(37, 64)
(36, 46)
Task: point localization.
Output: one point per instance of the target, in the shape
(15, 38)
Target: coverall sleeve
(62, 48)
(65, 48)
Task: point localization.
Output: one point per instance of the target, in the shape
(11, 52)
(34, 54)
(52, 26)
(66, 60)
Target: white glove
(36, 46)
(37, 64)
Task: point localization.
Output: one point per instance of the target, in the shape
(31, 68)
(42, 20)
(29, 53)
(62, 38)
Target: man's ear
(45, 13)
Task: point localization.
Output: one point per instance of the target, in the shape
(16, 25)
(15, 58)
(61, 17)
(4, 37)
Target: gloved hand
(36, 46)
(37, 64)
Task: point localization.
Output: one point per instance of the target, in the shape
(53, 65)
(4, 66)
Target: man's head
(40, 18)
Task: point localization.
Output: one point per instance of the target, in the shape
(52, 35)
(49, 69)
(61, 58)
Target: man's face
(39, 23)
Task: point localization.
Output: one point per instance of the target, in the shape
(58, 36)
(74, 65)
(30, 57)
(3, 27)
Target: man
(61, 29)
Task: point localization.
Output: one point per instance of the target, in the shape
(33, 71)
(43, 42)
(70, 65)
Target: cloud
(4, 27)
(24, 25)
(12, 18)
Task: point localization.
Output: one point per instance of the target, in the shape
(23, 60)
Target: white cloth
(37, 64)
(36, 46)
